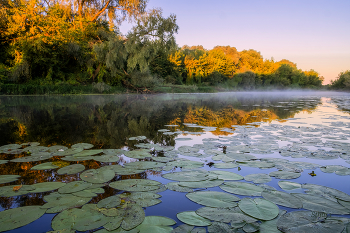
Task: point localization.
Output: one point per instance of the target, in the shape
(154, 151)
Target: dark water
(109, 121)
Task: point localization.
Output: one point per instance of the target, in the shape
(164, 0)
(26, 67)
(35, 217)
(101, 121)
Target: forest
(73, 45)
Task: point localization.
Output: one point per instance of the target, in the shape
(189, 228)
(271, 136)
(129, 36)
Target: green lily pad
(97, 175)
(47, 186)
(107, 158)
(135, 185)
(271, 225)
(329, 191)
(321, 204)
(77, 159)
(192, 218)
(138, 138)
(18, 217)
(89, 192)
(127, 171)
(213, 199)
(242, 188)
(74, 186)
(138, 154)
(184, 164)
(225, 165)
(71, 169)
(9, 147)
(68, 152)
(85, 146)
(109, 202)
(186, 176)
(282, 198)
(226, 175)
(3, 161)
(143, 165)
(119, 230)
(143, 199)
(84, 219)
(258, 178)
(174, 186)
(133, 216)
(219, 227)
(240, 157)
(224, 214)
(57, 202)
(156, 224)
(33, 158)
(285, 175)
(308, 222)
(44, 166)
(15, 190)
(184, 228)
(251, 227)
(88, 153)
(259, 164)
(8, 178)
(202, 184)
(259, 208)
(287, 185)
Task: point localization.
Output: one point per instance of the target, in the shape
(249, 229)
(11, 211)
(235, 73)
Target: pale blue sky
(315, 34)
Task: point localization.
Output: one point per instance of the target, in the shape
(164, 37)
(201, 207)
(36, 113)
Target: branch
(101, 11)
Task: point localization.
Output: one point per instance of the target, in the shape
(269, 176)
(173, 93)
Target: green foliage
(342, 81)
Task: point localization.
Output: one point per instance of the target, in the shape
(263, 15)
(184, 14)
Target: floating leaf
(15, 190)
(287, 185)
(143, 199)
(89, 192)
(226, 175)
(18, 217)
(85, 146)
(225, 165)
(242, 188)
(74, 186)
(71, 169)
(138, 138)
(135, 185)
(97, 175)
(308, 222)
(329, 191)
(259, 208)
(258, 178)
(88, 153)
(282, 198)
(109, 202)
(57, 202)
(285, 175)
(143, 165)
(33, 158)
(224, 214)
(174, 186)
(44, 166)
(8, 178)
(320, 204)
(47, 186)
(186, 176)
(271, 225)
(107, 158)
(156, 224)
(191, 218)
(219, 227)
(133, 216)
(184, 228)
(202, 184)
(213, 199)
(3, 161)
(138, 154)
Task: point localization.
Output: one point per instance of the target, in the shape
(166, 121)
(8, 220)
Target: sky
(314, 34)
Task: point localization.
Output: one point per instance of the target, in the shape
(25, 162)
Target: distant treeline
(75, 42)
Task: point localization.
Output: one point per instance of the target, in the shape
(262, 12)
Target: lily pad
(225, 165)
(224, 214)
(226, 175)
(219, 227)
(156, 224)
(282, 198)
(192, 218)
(8, 178)
(308, 222)
(174, 186)
(285, 175)
(71, 169)
(287, 185)
(138, 138)
(47, 186)
(88, 153)
(329, 191)
(213, 199)
(15, 190)
(74, 186)
(320, 204)
(259, 208)
(33, 158)
(143, 165)
(109, 202)
(133, 216)
(271, 225)
(3, 161)
(18, 217)
(135, 185)
(258, 178)
(242, 188)
(202, 184)
(97, 175)
(107, 158)
(186, 176)
(138, 154)
(44, 166)
(57, 202)
(85, 146)
(143, 199)
(184, 228)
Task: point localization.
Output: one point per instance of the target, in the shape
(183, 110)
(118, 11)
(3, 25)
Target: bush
(139, 79)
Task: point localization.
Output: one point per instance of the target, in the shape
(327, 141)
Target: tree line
(78, 42)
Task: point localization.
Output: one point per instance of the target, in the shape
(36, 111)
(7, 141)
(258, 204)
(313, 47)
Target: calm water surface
(267, 124)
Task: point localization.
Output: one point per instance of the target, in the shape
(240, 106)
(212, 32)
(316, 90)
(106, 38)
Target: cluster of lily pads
(245, 204)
